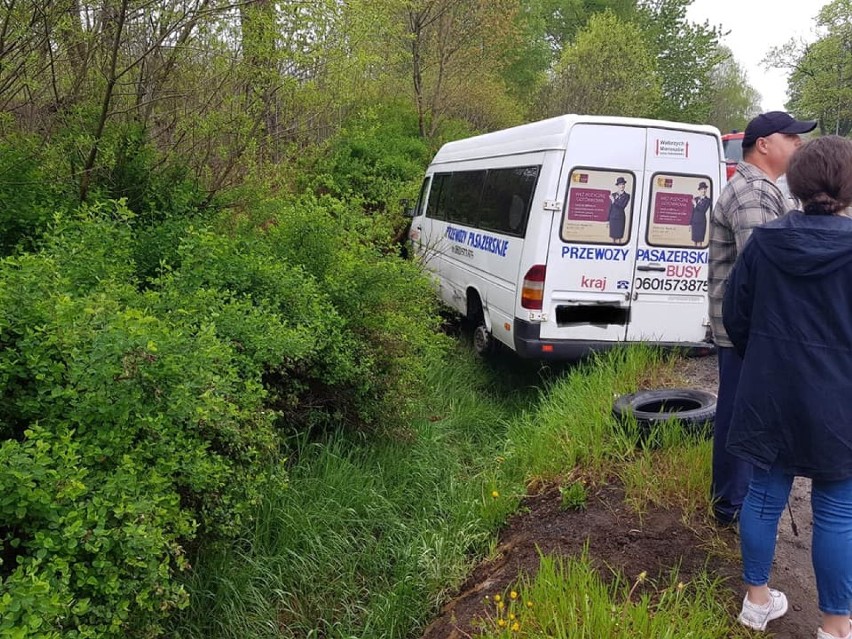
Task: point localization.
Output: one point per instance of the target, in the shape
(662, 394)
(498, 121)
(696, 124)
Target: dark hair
(820, 175)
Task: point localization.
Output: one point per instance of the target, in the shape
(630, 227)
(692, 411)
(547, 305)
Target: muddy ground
(618, 539)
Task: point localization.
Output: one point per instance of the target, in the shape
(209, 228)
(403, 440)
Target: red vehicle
(733, 145)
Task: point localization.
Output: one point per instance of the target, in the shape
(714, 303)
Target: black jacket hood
(806, 245)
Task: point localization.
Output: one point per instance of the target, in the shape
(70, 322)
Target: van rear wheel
(483, 343)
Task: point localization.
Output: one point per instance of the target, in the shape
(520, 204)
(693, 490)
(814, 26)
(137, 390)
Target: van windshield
(733, 149)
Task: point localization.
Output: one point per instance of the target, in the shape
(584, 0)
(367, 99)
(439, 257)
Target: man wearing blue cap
(750, 199)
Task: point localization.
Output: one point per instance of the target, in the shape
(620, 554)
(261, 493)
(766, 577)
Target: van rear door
(669, 286)
(590, 261)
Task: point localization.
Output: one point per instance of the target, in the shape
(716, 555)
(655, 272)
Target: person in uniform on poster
(701, 205)
(617, 216)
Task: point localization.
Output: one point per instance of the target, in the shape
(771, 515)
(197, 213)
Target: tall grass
(675, 476)
(370, 536)
(568, 599)
(373, 535)
(572, 424)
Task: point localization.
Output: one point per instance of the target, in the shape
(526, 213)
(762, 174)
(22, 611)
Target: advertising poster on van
(680, 207)
(599, 207)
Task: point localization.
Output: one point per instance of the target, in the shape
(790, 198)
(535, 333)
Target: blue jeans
(831, 550)
(730, 474)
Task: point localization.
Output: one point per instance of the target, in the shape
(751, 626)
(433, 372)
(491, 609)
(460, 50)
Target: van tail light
(730, 169)
(532, 293)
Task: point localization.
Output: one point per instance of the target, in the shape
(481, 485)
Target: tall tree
(820, 80)
(563, 19)
(607, 70)
(686, 55)
(733, 101)
(454, 53)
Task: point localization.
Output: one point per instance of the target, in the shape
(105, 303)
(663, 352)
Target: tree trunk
(117, 22)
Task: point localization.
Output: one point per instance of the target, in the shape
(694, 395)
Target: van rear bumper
(528, 344)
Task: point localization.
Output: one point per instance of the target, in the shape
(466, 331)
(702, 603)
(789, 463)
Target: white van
(574, 233)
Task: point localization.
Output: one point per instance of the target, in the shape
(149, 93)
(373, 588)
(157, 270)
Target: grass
(372, 536)
(572, 423)
(568, 599)
(674, 476)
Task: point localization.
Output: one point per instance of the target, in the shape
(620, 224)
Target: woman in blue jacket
(788, 312)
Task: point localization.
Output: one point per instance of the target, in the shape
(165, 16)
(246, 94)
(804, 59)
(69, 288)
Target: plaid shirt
(747, 201)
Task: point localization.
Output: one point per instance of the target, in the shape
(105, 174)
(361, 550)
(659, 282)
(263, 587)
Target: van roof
(545, 135)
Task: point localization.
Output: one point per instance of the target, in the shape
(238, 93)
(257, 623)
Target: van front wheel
(483, 343)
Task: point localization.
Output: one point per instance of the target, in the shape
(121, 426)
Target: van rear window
(599, 207)
(679, 210)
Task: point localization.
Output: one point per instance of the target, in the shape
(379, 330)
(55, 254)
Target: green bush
(124, 433)
(134, 422)
(374, 159)
(157, 243)
(154, 186)
(28, 194)
(386, 305)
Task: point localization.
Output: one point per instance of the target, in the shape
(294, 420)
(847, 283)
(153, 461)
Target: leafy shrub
(28, 194)
(154, 186)
(124, 435)
(386, 305)
(156, 244)
(133, 421)
(373, 160)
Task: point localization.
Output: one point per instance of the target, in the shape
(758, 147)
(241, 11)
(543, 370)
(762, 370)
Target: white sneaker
(822, 634)
(756, 617)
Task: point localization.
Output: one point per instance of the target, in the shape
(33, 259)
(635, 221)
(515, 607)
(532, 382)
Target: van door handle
(649, 267)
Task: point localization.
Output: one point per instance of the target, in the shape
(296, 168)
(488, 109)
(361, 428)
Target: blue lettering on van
(481, 241)
(488, 243)
(456, 235)
(608, 254)
(671, 255)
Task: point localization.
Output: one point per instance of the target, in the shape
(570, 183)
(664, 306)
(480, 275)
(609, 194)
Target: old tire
(695, 409)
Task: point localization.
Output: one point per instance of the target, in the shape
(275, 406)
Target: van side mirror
(407, 211)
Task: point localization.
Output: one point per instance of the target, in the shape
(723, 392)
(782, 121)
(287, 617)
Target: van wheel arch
(476, 309)
(483, 341)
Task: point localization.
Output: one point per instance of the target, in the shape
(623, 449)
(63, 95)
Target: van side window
(435, 209)
(420, 208)
(462, 203)
(506, 198)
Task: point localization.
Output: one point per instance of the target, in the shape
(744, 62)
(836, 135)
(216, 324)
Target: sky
(755, 26)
